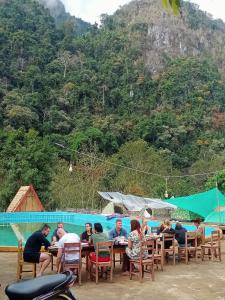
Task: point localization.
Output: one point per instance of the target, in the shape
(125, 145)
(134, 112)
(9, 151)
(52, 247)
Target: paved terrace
(196, 281)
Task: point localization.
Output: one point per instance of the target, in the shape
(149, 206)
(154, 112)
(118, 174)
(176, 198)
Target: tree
(95, 93)
(77, 189)
(217, 181)
(137, 155)
(66, 59)
(25, 159)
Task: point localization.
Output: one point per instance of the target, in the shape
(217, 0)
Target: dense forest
(122, 126)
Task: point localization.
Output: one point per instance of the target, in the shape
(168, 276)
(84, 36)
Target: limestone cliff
(163, 36)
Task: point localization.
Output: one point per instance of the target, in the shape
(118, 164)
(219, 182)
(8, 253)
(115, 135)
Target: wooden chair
(159, 254)
(190, 247)
(200, 236)
(102, 247)
(145, 265)
(200, 242)
(75, 250)
(21, 263)
(168, 238)
(213, 246)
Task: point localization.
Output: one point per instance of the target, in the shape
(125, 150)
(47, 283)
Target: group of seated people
(32, 250)
(180, 231)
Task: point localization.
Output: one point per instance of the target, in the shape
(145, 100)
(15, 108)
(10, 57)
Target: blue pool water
(12, 232)
(13, 226)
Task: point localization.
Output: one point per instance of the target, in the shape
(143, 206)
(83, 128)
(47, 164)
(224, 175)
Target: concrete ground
(196, 281)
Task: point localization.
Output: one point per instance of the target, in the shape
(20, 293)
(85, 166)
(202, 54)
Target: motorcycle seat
(30, 289)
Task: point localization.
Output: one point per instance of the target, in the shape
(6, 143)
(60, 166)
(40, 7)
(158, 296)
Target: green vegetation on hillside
(93, 93)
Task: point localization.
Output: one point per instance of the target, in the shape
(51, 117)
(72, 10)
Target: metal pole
(218, 201)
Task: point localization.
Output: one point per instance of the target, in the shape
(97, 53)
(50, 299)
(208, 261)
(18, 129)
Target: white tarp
(135, 203)
(109, 209)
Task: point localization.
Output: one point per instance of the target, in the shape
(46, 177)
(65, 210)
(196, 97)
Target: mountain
(145, 90)
(58, 12)
(165, 36)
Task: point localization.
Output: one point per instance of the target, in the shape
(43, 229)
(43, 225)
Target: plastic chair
(72, 249)
(21, 263)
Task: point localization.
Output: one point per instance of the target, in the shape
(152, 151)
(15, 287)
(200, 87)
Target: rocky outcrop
(164, 36)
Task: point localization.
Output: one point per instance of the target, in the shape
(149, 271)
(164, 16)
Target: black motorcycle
(53, 287)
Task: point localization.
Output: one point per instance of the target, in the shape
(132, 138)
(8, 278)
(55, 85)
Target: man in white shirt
(66, 238)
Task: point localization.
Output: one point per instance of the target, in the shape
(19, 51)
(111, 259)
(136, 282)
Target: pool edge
(8, 248)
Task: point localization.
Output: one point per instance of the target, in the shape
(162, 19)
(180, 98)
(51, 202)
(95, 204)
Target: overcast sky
(90, 10)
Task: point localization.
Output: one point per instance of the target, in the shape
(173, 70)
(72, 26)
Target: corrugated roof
(135, 203)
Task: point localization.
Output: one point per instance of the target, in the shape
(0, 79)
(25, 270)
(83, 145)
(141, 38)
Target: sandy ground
(196, 281)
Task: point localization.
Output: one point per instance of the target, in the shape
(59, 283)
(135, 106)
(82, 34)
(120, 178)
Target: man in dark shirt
(180, 234)
(33, 247)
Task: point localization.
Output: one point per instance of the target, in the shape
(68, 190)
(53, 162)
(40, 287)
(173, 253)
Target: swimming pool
(15, 226)
(10, 233)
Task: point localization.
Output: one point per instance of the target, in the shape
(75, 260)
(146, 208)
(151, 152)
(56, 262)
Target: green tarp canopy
(202, 204)
(216, 217)
(183, 215)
